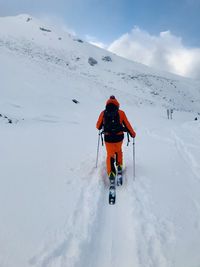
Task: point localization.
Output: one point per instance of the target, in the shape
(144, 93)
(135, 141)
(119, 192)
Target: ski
(112, 195)
(119, 179)
(112, 189)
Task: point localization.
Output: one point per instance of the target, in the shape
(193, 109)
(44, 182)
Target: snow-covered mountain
(53, 201)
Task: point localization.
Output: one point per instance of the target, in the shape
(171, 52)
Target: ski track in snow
(184, 150)
(150, 230)
(99, 234)
(114, 241)
(65, 247)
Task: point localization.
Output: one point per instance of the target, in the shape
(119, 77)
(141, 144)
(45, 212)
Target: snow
(53, 201)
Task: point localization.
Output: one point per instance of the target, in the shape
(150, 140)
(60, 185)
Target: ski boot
(112, 178)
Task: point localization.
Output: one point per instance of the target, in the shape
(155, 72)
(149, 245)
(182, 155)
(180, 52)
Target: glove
(133, 135)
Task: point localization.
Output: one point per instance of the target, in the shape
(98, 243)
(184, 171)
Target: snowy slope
(53, 202)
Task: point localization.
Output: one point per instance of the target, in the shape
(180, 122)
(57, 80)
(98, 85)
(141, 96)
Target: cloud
(98, 44)
(165, 52)
(93, 40)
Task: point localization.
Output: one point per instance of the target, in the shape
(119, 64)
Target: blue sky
(106, 21)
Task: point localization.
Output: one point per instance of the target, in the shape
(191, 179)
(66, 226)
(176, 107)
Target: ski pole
(134, 159)
(102, 137)
(128, 139)
(98, 148)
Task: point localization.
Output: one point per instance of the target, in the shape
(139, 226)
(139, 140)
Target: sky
(162, 34)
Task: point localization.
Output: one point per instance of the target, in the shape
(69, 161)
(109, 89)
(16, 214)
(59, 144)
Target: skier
(168, 114)
(114, 122)
(171, 112)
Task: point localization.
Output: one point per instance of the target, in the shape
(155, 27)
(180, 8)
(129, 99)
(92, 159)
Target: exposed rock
(92, 61)
(28, 19)
(75, 101)
(154, 93)
(45, 30)
(107, 59)
(79, 40)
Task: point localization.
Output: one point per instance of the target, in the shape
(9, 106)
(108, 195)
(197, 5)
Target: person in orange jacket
(113, 127)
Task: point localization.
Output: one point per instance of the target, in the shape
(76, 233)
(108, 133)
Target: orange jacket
(123, 120)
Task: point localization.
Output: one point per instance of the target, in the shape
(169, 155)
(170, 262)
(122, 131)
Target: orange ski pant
(114, 153)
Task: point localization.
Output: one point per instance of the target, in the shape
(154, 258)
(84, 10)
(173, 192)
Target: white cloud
(93, 40)
(98, 44)
(165, 51)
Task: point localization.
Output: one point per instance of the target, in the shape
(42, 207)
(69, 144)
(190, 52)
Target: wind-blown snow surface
(53, 201)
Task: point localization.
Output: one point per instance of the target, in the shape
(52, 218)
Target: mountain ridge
(40, 44)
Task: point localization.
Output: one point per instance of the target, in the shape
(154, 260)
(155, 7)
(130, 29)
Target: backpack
(111, 120)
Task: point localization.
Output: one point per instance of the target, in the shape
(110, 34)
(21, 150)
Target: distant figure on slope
(171, 112)
(168, 114)
(114, 122)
